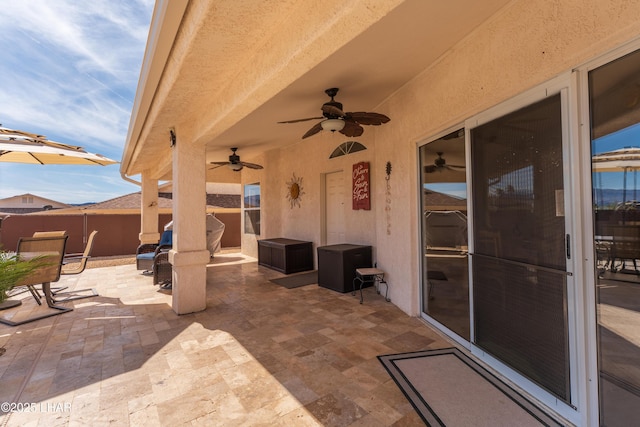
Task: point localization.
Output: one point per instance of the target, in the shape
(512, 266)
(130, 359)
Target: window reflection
(615, 134)
(444, 238)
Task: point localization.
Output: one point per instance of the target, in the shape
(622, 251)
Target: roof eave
(165, 23)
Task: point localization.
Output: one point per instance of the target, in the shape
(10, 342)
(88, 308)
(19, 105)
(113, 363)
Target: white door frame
(565, 86)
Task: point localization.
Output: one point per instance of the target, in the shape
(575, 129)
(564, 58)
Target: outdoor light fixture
(332, 124)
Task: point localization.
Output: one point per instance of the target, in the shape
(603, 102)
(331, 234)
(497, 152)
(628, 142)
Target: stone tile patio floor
(260, 354)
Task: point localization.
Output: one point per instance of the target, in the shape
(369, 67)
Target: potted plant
(12, 271)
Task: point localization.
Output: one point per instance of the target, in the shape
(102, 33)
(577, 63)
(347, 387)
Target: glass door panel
(614, 91)
(445, 282)
(519, 252)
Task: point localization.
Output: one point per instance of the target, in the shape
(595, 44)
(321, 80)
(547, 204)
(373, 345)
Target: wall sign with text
(361, 194)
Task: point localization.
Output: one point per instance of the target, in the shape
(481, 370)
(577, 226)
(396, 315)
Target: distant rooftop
(134, 200)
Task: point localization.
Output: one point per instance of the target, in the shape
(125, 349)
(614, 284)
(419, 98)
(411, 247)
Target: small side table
(375, 275)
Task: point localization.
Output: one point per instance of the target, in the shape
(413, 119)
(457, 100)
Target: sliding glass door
(614, 95)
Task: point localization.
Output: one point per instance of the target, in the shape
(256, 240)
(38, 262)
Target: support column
(149, 210)
(189, 256)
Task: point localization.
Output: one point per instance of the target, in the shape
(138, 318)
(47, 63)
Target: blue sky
(69, 71)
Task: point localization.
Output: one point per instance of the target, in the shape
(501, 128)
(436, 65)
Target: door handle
(568, 242)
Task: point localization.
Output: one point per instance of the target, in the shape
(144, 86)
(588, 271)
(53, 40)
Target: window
(252, 208)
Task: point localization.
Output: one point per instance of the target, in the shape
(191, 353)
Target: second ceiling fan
(335, 119)
(235, 163)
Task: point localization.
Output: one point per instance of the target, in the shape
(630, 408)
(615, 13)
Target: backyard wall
(117, 233)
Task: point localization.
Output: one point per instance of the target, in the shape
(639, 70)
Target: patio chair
(51, 251)
(82, 257)
(146, 252)
(17, 290)
(50, 233)
(445, 237)
(162, 270)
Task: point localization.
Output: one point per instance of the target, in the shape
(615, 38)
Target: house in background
(507, 100)
(27, 203)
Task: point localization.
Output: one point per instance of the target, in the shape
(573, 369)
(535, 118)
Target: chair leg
(46, 290)
(386, 292)
(35, 294)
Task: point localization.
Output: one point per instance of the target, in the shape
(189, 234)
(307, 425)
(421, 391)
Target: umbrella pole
(624, 197)
(635, 187)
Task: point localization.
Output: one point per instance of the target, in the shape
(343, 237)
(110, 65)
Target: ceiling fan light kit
(335, 119)
(332, 125)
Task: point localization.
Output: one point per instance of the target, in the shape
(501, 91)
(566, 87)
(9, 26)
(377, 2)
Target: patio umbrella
(622, 160)
(22, 147)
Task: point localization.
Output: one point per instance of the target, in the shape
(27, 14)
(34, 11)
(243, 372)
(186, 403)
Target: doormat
(297, 280)
(447, 388)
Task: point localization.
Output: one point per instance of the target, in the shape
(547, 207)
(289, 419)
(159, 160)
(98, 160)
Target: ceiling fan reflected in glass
(335, 119)
(234, 162)
(440, 164)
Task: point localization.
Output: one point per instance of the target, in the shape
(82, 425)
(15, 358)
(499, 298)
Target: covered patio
(260, 354)
(477, 86)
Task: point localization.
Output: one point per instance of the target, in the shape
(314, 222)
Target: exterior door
(520, 244)
(334, 208)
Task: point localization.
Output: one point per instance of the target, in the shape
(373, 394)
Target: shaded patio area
(260, 354)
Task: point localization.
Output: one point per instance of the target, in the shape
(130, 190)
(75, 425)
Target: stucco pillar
(189, 255)
(149, 210)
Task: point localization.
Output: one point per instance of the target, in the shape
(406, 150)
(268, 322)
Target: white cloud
(70, 71)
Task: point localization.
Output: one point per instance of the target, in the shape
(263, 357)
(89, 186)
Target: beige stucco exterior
(523, 45)
(221, 90)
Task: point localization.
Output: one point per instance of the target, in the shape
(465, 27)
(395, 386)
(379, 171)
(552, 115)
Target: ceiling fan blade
(351, 129)
(251, 165)
(364, 118)
(456, 166)
(302, 120)
(219, 163)
(332, 111)
(430, 168)
(315, 129)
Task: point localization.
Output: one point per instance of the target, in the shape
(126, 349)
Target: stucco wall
(525, 44)
(309, 160)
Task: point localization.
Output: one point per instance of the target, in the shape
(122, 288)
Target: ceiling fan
(439, 164)
(335, 119)
(234, 162)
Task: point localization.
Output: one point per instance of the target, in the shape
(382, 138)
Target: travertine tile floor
(259, 355)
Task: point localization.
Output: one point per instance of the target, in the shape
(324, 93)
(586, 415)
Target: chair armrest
(74, 255)
(163, 248)
(71, 259)
(146, 247)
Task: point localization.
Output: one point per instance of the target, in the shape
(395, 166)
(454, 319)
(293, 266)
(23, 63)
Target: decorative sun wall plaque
(361, 192)
(294, 191)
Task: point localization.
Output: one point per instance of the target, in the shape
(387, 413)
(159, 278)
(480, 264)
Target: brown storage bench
(285, 255)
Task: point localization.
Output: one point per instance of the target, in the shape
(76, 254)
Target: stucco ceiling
(368, 66)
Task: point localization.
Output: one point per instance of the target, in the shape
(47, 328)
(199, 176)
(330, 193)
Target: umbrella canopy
(617, 160)
(22, 147)
(622, 160)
